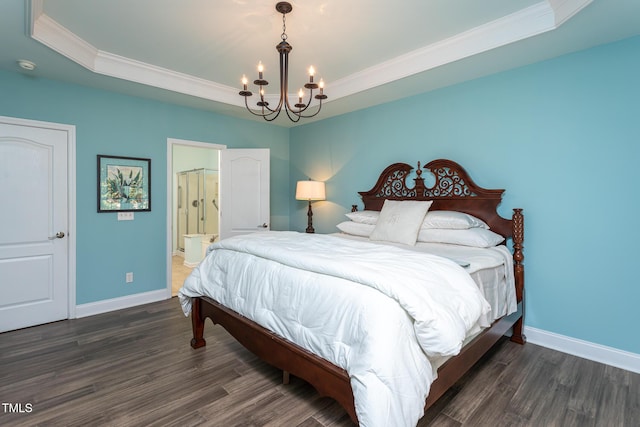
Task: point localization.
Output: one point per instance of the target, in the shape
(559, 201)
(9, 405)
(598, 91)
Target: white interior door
(34, 276)
(244, 191)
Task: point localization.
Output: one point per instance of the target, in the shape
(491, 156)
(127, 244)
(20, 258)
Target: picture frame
(124, 184)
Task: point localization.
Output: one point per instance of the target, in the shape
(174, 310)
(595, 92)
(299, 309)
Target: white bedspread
(374, 310)
(491, 268)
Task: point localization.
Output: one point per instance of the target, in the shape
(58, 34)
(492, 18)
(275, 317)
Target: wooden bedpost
(518, 257)
(197, 324)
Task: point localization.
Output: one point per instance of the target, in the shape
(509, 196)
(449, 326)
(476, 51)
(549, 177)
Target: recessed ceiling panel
(220, 40)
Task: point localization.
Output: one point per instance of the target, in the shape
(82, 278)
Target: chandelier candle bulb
(244, 92)
(300, 105)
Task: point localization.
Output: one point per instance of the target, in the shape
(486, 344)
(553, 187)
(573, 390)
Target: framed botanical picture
(124, 184)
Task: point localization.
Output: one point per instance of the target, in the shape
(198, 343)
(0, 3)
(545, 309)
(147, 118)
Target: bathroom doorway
(193, 205)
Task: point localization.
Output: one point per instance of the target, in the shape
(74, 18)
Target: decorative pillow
(364, 217)
(434, 219)
(356, 228)
(452, 220)
(477, 237)
(400, 221)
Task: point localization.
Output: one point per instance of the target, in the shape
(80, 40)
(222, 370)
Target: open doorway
(192, 205)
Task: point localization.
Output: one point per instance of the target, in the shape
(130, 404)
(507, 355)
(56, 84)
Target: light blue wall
(111, 123)
(562, 137)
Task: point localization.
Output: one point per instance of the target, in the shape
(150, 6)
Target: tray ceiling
(194, 52)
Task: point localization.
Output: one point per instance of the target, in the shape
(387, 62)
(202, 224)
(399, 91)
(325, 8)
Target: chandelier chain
(284, 28)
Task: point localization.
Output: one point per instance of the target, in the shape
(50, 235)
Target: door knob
(264, 225)
(59, 235)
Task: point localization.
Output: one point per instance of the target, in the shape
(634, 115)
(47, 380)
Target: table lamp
(310, 190)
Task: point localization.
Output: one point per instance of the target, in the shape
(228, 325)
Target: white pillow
(356, 228)
(452, 220)
(364, 217)
(477, 237)
(434, 219)
(400, 221)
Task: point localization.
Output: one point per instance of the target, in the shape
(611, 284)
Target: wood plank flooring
(135, 367)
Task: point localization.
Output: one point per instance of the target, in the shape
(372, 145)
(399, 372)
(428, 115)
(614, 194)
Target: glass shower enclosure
(197, 204)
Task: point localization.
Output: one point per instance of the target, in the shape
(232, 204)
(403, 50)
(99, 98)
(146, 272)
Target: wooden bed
(451, 189)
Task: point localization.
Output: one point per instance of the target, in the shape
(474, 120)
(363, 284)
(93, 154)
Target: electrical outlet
(128, 277)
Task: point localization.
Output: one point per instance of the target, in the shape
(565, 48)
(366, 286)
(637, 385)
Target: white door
(33, 223)
(244, 191)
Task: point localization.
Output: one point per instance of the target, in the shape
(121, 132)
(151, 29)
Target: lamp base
(310, 220)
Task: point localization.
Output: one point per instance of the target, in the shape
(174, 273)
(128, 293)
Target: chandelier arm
(295, 118)
(284, 79)
(246, 104)
(284, 83)
(299, 112)
(265, 104)
(314, 114)
(290, 111)
(266, 116)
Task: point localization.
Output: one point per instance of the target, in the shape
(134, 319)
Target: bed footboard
(328, 379)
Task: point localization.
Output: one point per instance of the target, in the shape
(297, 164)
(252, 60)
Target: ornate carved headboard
(453, 189)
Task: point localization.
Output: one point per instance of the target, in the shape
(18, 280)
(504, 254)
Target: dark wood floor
(135, 367)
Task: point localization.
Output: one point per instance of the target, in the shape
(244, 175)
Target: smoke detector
(26, 65)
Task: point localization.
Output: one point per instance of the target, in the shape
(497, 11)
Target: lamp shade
(310, 190)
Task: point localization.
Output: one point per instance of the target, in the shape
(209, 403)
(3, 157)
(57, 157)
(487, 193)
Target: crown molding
(566, 9)
(55, 36)
(531, 21)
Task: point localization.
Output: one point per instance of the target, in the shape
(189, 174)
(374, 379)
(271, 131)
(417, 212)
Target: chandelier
(296, 112)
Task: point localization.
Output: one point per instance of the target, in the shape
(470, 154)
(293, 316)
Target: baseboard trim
(99, 307)
(587, 350)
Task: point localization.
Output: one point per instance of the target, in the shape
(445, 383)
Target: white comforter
(378, 312)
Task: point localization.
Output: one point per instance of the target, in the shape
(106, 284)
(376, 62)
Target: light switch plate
(125, 216)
